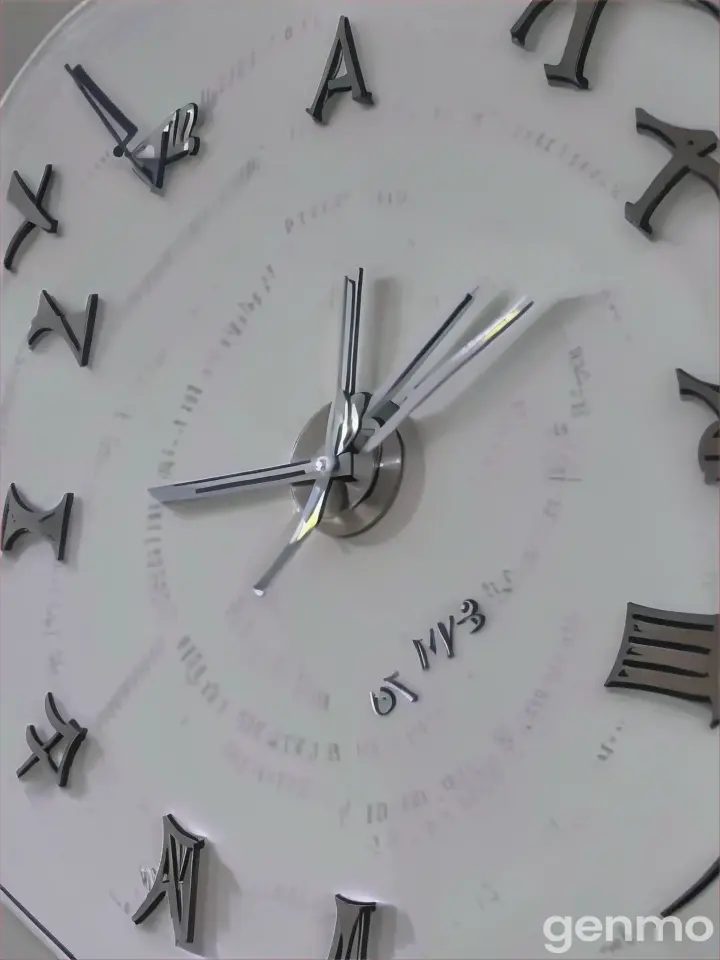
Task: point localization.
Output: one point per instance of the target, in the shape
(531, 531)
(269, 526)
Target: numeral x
(31, 207)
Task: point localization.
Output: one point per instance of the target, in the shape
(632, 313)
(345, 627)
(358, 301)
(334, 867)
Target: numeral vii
(355, 933)
(342, 52)
(570, 70)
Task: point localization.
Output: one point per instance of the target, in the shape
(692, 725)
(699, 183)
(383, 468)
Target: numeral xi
(570, 71)
(355, 933)
(690, 154)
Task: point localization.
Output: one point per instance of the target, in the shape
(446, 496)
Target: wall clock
(411, 709)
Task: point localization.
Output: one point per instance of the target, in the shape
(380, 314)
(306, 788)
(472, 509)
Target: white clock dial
(543, 490)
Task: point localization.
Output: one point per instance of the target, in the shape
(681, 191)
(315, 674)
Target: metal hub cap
(354, 505)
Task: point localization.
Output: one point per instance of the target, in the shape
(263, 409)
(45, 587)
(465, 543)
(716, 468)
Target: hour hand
(344, 419)
(285, 474)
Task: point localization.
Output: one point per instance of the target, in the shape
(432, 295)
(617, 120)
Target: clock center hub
(354, 505)
(324, 465)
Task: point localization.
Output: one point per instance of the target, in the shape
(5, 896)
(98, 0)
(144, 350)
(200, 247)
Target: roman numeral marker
(690, 154)
(30, 205)
(20, 518)
(342, 51)
(51, 319)
(671, 653)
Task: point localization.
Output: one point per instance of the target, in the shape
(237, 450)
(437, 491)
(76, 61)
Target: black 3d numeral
(690, 154)
(108, 112)
(342, 51)
(384, 702)
(353, 929)
(671, 653)
(168, 143)
(709, 446)
(31, 206)
(177, 878)
(69, 733)
(19, 518)
(51, 319)
(570, 70)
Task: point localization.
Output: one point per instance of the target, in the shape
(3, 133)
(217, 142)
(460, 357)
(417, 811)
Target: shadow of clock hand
(384, 322)
(218, 898)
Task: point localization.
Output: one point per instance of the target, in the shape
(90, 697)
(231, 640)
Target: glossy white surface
(218, 342)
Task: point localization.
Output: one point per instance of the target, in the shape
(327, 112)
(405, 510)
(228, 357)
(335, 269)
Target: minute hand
(285, 474)
(445, 369)
(343, 420)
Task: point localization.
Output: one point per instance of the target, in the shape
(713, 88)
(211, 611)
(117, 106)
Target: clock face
(478, 686)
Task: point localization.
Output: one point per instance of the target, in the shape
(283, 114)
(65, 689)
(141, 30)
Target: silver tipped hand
(285, 474)
(443, 370)
(311, 517)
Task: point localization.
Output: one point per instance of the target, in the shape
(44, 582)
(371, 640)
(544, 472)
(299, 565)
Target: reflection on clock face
(355, 522)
